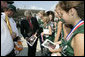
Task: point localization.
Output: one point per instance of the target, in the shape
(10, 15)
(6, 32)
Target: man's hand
(35, 35)
(13, 35)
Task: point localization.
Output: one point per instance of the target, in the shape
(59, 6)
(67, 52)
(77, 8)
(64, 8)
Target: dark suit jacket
(26, 31)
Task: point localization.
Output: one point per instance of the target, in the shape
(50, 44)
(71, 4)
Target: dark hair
(78, 5)
(50, 13)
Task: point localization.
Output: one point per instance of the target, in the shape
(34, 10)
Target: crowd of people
(64, 26)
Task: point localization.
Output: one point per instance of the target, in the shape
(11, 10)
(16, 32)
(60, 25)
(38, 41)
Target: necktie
(18, 44)
(30, 24)
(8, 24)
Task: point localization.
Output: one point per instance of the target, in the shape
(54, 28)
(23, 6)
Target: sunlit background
(36, 5)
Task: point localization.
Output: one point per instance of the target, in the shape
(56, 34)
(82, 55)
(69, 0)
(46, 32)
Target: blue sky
(42, 5)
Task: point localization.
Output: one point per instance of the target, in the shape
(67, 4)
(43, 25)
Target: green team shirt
(66, 45)
(62, 32)
(50, 37)
(40, 22)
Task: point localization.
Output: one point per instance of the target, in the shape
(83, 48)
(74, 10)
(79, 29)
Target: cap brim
(13, 10)
(10, 2)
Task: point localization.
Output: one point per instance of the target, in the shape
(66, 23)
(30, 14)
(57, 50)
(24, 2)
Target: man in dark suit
(29, 26)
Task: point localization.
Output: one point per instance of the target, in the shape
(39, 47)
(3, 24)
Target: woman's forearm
(58, 32)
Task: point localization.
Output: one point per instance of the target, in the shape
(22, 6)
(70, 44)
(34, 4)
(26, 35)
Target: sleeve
(16, 29)
(22, 29)
(38, 28)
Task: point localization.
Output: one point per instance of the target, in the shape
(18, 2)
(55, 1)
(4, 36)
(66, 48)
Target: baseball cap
(12, 7)
(10, 2)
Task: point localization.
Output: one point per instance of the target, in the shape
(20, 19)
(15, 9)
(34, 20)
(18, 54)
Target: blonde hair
(45, 20)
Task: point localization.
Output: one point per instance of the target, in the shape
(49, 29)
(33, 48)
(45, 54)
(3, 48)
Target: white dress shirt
(12, 23)
(6, 39)
(13, 26)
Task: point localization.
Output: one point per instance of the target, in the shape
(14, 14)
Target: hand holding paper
(50, 45)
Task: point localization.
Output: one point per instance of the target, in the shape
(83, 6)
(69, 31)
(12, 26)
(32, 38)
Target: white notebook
(46, 31)
(49, 44)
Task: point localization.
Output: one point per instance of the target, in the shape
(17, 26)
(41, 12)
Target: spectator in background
(4, 4)
(40, 16)
(29, 26)
(34, 15)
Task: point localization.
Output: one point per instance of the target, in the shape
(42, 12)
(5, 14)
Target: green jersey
(40, 22)
(66, 45)
(50, 37)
